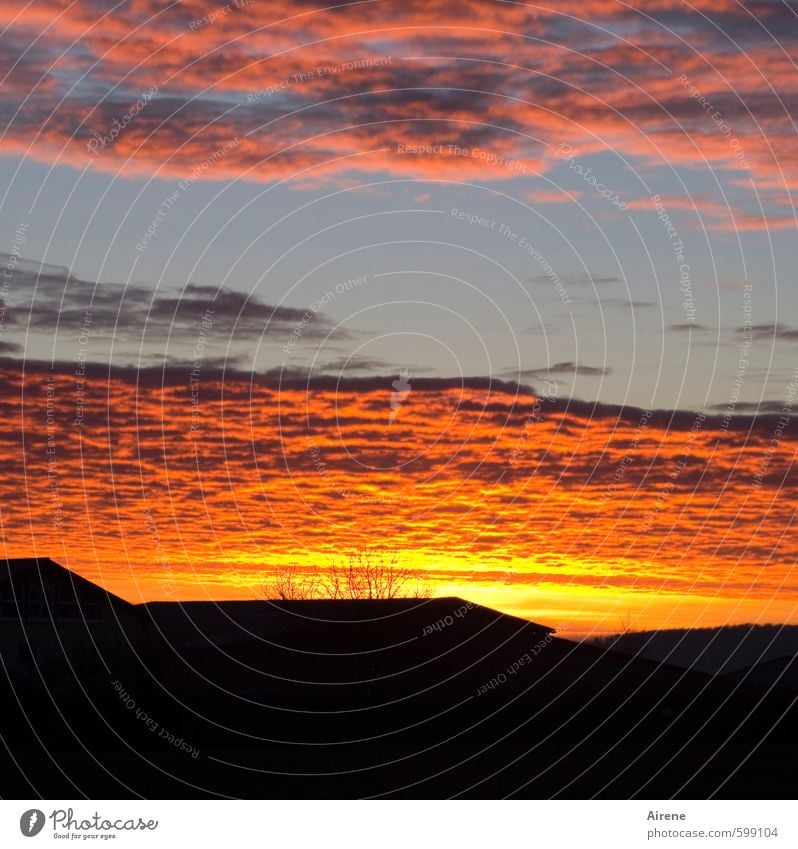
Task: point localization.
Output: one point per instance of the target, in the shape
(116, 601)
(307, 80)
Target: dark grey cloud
(355, 363)
(9, 348)
(369, 364)
(564, 369)
(51, 300)
(752, 24)
(772, 330)
(574, 280)
(752, 407)
(686, 328)
(579, 368)
(625, 303)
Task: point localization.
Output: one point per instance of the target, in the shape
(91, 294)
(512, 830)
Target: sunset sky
(508, 288)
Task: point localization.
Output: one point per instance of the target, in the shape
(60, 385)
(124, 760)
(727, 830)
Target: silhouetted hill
(779, 674)
(716, 651)
(406, 697)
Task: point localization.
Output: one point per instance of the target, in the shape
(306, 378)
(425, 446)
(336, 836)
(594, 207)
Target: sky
(507, 288)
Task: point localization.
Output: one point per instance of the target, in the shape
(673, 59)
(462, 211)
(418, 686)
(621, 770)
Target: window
(8, 603)
(9, 610)
(40, 599)
(47, 597)
(73, 609)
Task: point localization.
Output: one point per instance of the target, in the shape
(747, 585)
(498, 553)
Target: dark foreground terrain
(405, 698)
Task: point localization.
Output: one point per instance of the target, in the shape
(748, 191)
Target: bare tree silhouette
(366, 573)
(293, 584)
(371, 573)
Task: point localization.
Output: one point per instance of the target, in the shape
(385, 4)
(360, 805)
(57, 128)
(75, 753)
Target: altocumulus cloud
(277, 469)
(351, 97)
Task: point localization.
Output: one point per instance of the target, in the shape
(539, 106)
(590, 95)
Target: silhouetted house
(297, 651)
(431, 690)
(430, 664)
(51, 618)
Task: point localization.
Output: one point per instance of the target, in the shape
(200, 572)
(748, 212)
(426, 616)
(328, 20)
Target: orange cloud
(166, 485)
(320, 91)
(718, 216)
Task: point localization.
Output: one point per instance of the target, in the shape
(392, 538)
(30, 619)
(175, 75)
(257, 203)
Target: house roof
(15, 567)
(199, 623)
(226, 622)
